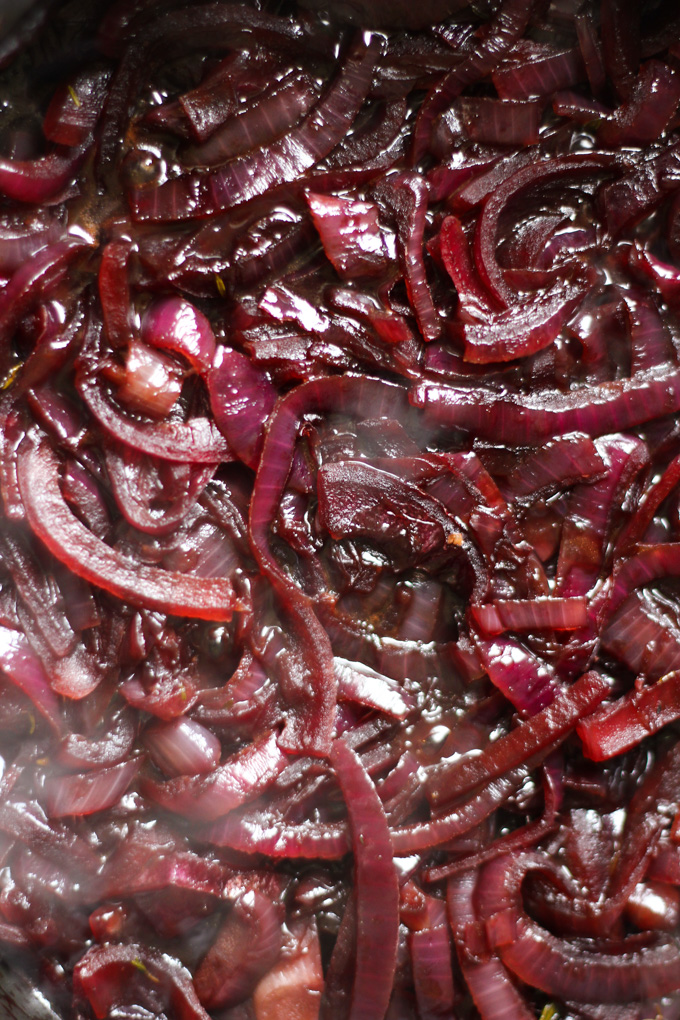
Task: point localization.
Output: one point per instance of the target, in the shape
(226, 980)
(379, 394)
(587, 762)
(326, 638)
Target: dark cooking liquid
(339, 490)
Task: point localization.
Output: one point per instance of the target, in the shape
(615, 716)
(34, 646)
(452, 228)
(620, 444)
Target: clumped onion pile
(340, 477)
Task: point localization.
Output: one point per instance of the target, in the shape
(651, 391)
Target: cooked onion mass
(340, 481)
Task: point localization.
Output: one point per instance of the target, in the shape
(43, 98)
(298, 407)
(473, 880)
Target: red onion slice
(89, 557)
(616, 728)
(183, 747)
(197, 441)
(535, 737)
(105, 975)
(87, 792)
(249, 176)
(376, 887)
(225, 787)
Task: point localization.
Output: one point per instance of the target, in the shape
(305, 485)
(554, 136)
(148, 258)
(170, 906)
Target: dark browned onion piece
(507, 26)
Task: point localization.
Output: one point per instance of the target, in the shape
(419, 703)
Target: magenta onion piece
(507, 26)
(591, 507)
(536, 174)
(293, 985)
(376, 887)
(616, 728)
(140, 488)
(406, 196)
(499, 122)
(115, 293)
(525, 419)
(643, 621)
(519, 332)
(621, 39)
(202, 109)
(226, 786)
(422, 526)
(377, 144)
(182, 747)
(653, 562)
(432, 971)
(197, 440)
(23, 290)
(562, 968)
(173, 324)
(42, 179)
(519, 839)
(492, 989)
(106, 974)
(649, 337)
(475, 302)
(41, 596)
(22, 667)
(539, 75)
(242, 398)
(277, 839)
(625, 201)
(78, 751)
(664, 276)
(87, 792)
(591, 50)
(524, 678)
(535, 737)
(350, 233)
(271, 113)
(357, 682)
(19, 244)
(645, 115)
(558, 464)
(74, 107)
(466, 816)
(535, 614)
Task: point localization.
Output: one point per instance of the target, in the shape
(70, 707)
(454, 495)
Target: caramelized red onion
(377, 919)
(565, 968)
(284, 160)
(339, 621)
(89, 557)
(246, 948)
(85, 793)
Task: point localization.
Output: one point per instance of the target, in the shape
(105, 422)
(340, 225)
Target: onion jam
(340, 494)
